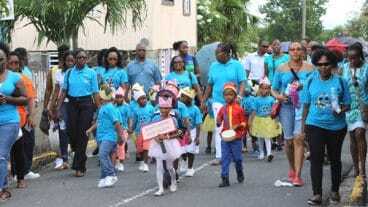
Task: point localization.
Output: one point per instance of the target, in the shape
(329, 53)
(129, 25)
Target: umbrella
(336, 44)
(351, 40)
(285, 46)
(205, 57)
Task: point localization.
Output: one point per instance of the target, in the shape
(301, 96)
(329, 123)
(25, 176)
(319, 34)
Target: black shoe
(335, 198)
(208, 150)
(95, 152)
(279, 147)
(315, 200)
(269, 158)
(240, 177)
(225, 182)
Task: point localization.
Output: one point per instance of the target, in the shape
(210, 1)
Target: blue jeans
(231, 151)
(290, 126)
(8, 135)
(106, 149)
(63, 135)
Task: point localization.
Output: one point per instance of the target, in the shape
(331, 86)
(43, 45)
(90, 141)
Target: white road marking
(149, 191)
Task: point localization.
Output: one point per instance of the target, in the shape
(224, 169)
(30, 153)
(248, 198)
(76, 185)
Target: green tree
(59, 21)
(358, 27)
(226, 21)
(284, 18)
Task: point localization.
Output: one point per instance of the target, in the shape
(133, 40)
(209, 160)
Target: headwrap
(230, 86)
(138, 94)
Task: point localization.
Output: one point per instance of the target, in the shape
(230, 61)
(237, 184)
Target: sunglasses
(14, 62)
(323, 64)
(82, 57)
(296, 49)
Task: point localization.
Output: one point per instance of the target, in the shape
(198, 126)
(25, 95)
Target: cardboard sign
(151, 131)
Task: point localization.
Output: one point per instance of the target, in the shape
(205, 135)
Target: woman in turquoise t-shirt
(326, 98)
(295, 72)
(112, 73)
(190, 62)
(272, 62)
(355, 72)
(182, 77)
(12, 94)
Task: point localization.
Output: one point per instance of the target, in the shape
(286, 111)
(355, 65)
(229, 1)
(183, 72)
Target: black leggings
(18, 158)
(318, 139)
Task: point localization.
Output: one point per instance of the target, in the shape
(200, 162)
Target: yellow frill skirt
(265, 127)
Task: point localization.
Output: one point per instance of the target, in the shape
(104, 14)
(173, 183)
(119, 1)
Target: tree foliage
(284, 18)
(225, 21)
(358, 27)
(60, 20)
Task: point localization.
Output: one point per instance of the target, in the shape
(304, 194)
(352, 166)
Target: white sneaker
(190, 172)
(173, 188)
(58, 163)
(183, 166)
(160, 192)
(261, 156)
(145, 167)
(108, 181)
(119, 167)
(31, 175)
(140, 168)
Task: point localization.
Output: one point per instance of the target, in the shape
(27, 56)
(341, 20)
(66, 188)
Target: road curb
(48, 157)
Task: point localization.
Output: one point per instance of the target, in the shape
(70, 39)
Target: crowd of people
(303, 100)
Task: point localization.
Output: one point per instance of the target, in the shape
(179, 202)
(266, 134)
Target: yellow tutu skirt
(265, 127)
(208, 124)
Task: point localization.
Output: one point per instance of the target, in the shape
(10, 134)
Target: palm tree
(59, 21)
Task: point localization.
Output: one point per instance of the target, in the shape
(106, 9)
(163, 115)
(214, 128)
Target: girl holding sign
(165, 149)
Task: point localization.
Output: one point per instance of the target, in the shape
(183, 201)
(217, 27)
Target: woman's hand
(282, 98)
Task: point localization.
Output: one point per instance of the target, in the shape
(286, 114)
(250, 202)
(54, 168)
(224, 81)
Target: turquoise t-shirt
(142, 116)
(282, 78)
(107, 117)
(220, 74)
(8, 112)
(27, 72)
(182, 113)
(263, 105)
(184, 79)
(195, 116)
(274, 62)
(190, 62)
(317, 93)
(247, 104)
(113, 76)
(209, 108)
(81, 82)
(124, 110)
(358, 94)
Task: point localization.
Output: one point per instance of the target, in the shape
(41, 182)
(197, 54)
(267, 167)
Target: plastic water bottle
(335, 100)
(62, 125)
(287, 90)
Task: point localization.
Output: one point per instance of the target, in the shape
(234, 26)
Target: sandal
(79, 174)
(315, 200)
(5, 195)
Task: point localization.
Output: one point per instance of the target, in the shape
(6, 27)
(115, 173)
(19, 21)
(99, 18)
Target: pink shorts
(142, 145)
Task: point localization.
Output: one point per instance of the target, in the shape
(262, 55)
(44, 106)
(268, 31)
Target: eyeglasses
(323, 64)
(296, 49)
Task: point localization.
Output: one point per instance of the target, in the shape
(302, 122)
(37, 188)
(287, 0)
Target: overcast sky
(338, 11)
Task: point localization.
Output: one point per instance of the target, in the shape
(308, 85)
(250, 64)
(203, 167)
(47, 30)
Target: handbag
(276, 107)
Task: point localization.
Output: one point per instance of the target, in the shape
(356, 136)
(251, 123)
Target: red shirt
(232, 115)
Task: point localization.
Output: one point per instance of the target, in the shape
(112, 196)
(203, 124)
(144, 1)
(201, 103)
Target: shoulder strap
(294, 74)
(67, 75)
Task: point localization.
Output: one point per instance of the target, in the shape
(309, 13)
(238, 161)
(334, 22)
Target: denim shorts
(290, 126)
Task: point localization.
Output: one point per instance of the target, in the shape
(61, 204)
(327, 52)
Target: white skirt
(192, 147)
(173, 150)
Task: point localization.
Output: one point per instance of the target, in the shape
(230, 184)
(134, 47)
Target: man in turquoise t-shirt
(224, 70)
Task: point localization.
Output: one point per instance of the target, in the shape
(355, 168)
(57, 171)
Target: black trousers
(80, 116)
(29, 144)
(319, 139)
(17, 157)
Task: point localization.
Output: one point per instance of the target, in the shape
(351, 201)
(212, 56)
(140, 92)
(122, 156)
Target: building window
(168, 2)
(186, 7)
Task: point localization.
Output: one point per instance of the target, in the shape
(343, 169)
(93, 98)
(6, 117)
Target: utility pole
(304, 17)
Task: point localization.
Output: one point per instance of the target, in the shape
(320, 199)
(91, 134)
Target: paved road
(135, 189)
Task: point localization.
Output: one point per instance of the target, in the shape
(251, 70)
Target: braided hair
(228, 49)
(358, 48)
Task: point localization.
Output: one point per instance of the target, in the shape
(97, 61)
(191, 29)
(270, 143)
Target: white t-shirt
(59, 79)
(254, 65)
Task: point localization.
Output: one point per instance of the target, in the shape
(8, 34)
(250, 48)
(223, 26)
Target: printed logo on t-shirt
(323, 101)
